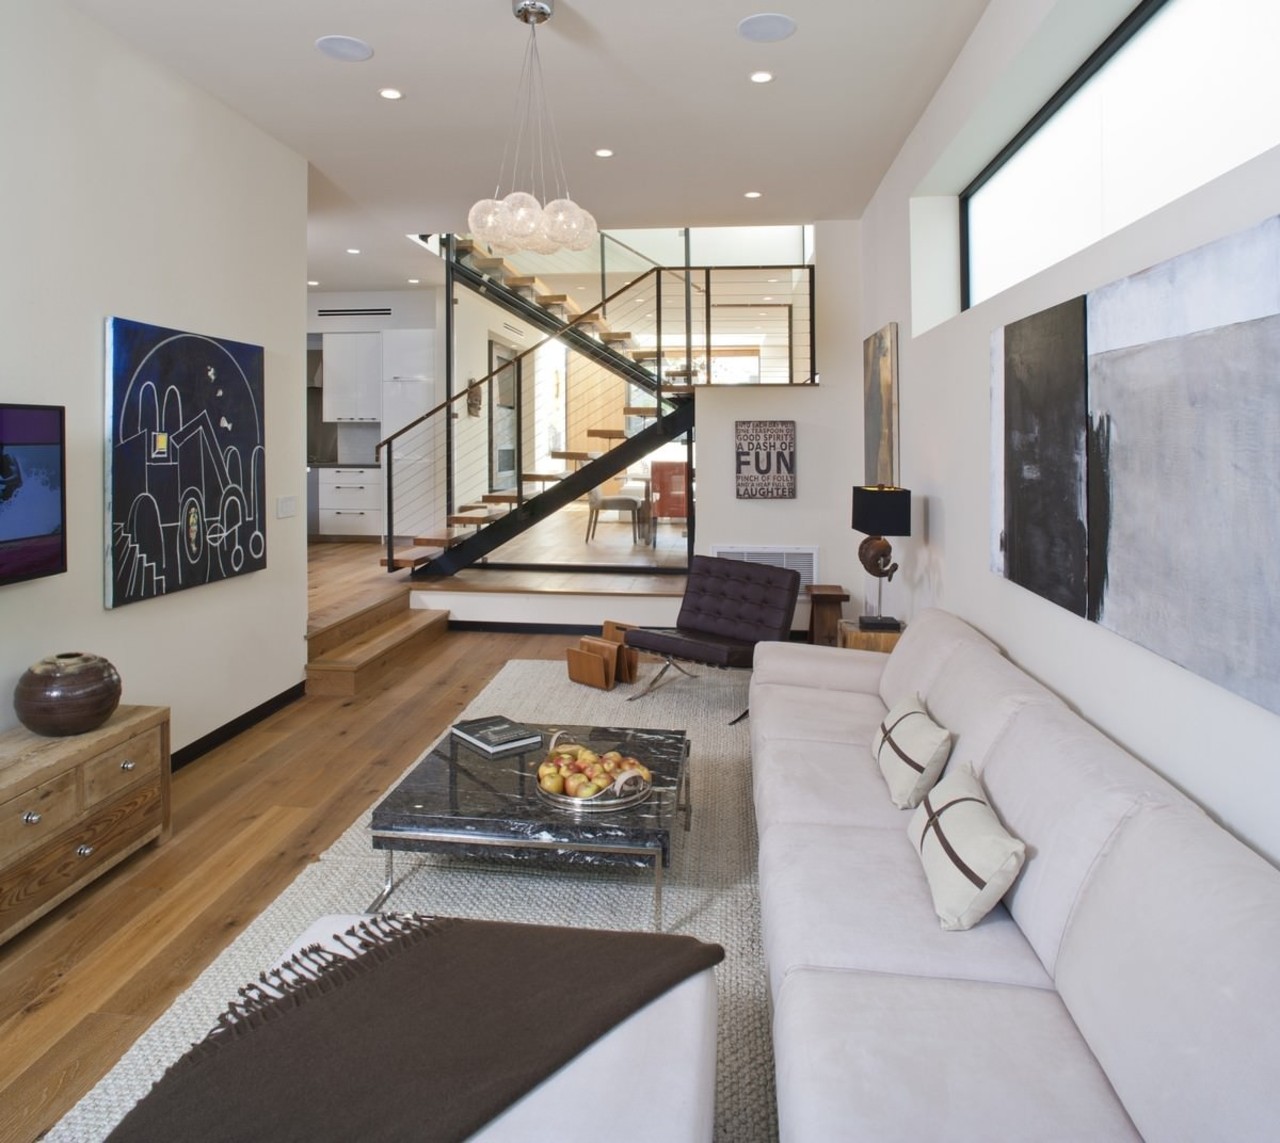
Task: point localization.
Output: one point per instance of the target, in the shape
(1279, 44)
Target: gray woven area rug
(709, 892)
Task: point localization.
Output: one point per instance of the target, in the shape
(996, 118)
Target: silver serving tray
(602, 803)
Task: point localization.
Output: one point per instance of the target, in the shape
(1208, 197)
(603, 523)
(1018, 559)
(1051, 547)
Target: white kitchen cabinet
(408, 354)
(352, 377)
(404, 402)
(351, 502)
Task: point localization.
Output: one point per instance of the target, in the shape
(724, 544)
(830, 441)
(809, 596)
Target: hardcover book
(495, 733)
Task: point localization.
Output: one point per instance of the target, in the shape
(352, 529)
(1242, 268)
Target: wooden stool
(824, 612)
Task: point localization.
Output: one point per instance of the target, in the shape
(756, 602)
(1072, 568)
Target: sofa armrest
(821, 668)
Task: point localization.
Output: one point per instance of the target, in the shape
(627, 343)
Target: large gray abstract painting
(1180, 484)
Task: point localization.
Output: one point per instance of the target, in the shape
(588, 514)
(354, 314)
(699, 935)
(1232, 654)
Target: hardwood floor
(80, 985)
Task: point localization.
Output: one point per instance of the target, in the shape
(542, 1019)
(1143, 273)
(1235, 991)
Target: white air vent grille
(373, 311)
(803, 560)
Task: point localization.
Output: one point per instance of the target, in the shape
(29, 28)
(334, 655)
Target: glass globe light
(524, 212)
(487, 220)
(540, 242)
(562, 220)
(587, 235)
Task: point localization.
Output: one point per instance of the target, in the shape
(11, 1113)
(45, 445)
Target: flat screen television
(33, 502)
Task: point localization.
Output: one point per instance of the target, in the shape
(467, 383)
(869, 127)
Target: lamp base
(878, 623)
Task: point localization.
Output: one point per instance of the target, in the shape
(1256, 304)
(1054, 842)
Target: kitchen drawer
(32, 886)
(349, 475)
(37, 814)
(350, 522)
(121, 767)
(356, 494)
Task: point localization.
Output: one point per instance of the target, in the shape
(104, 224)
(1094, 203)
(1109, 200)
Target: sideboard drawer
(55, 871)
(121, 767)
(35, 815)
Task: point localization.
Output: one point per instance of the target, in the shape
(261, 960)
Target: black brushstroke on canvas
(1099, 498)
(1046, 414)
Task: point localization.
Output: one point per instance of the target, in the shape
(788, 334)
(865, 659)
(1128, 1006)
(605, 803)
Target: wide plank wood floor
(79, 986)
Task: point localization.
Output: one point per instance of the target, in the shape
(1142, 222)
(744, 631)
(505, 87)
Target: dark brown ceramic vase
(69, 693)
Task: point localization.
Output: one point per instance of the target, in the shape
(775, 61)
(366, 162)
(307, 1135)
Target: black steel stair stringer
(537, 508)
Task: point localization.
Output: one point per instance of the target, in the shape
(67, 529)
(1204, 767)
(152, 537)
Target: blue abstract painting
(186, 495)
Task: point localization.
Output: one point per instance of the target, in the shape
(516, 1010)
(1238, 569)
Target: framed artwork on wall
(185, 460)
(880, 406)
(765, 460)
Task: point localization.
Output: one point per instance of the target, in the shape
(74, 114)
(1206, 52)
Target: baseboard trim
(229, 730)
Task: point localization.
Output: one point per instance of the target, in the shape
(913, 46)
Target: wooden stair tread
(611, 336)
(608, 434)
(678, 390)
(360, 662)
(573, 454)
(413, 557)
(501, 498)
(564, 301)
(542, 477)
(641, 411)
(444, 538)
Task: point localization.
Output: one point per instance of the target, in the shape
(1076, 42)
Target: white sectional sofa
(1128, 986)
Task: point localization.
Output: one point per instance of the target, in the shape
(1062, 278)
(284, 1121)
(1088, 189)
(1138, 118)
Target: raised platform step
(323, 640)
(415, 557)
(364, 660)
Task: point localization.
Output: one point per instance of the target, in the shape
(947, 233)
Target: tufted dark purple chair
(729, 606)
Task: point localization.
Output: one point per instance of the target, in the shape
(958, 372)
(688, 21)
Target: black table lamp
(880, 510)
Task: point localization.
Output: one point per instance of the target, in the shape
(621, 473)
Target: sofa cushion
(866, 1056)
(821, 783)
(928, 642)
(1168, 966)
(977, 697)
(803, 714)
(1065, 790)
(969, 858)
(846, 898)
(911, 750)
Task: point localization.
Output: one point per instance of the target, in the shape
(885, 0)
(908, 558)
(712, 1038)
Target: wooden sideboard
(73, 807)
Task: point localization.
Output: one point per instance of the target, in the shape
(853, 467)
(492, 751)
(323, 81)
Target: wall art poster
(1179, 484)
(880, 405)
(186, 495)
(765, 460)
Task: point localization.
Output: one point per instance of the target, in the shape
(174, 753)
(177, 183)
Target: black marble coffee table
(465, 802)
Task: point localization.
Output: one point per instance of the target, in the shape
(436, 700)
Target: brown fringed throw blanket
(437, 1026)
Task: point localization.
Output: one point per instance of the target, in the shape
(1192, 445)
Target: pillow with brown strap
(911, 749)
(969, 858)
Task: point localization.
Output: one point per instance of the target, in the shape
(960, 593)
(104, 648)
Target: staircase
(629, 367)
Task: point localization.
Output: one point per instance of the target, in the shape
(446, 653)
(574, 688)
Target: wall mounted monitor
(33, 504)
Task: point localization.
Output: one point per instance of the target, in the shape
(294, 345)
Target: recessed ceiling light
(752, 194)
(767, 298)
(313, 283)
(762, 77)
(344, 49)
(352, 250)
(391, 93)
(603, 153)
(766, 28)
(414, 281)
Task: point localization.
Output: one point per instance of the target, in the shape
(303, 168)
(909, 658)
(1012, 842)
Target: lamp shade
(881, 510)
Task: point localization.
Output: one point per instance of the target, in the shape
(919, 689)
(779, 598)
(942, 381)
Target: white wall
(129, 193)
(1223, 751)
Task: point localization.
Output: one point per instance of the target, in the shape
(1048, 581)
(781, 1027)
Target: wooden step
(411, 557)
(501, 498)
(489, 265)
(473, 519)
(573, 454)
(564, 301)
(360, 663)
(607, 434)
(640, 411)
(678, 390)
(325, 639)
(542, 477)
(615, 337)
(444, 538)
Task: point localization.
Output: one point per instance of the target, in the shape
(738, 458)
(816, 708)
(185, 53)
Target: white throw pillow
(911, 749)
(969, 858)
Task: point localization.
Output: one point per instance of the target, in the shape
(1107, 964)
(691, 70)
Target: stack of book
(496, 733)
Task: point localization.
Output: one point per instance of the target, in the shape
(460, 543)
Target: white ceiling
(662, 82)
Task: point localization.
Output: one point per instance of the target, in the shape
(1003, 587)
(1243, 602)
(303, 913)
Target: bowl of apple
(576, 778)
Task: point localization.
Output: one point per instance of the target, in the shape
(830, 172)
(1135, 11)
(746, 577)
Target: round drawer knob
(84, 850)
(31, 817)
(128, 765)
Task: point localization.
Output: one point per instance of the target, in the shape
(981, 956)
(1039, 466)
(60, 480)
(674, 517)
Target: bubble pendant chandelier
(520, 220)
